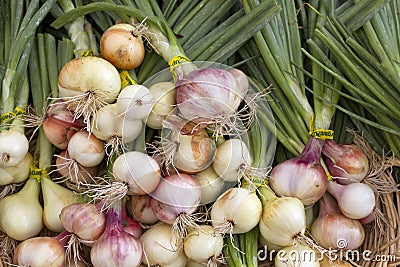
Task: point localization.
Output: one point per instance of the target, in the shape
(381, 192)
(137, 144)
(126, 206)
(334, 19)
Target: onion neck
(63, 238)
(332, 150)
(31, 189)
(312, 151)
(114, 219)
(328, 206)
(335, 189)
(267, 196)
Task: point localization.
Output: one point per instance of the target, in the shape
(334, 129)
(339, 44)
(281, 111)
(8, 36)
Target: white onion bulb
(86, 149)
(135, 102)
(13, 147)
(164, 103)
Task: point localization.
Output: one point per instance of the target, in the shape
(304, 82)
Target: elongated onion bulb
(13, 147)
(40, 252)
(86, 149)
(139, 171)
(55, 198)
(231, 156)
(89, 74)
(21, 213)
(203, 244)
(237, 210)
(109, 123)
(355, 200)
(160, 245)
(135, 102)
(332, 229)
(164, 103)
(84, 219)
(297, 255)
(283, 218)
(17, 173)
(122, 46)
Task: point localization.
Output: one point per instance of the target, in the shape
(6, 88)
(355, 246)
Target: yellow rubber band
(329, 176)
(323, 134)
(258, 182)
(88, 53)
(37, 173)
(176, 61)
(17, 112)
(126, 79)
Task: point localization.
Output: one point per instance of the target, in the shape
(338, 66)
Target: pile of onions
(115, 247)
(332, 229)
(302, 177)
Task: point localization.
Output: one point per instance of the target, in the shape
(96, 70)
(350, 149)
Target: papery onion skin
(347, 162)
(176, 194)
(302, 177)
(121, 46)
(83, 219)
(139, 171)
(160, 245)
(332, 229)
(96, 75)
(40, 252)
(207, 94)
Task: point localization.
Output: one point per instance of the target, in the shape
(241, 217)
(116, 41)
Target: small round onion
(211, 185)
(139, 206)
(13, 147)
(139, 171)
(86, 149)
(135, 102)
(122, 46)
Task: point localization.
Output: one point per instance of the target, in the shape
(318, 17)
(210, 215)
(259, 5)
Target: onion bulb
(109, 124)
(122, 45)
(297, 255)
(346, 163)
(211, 185)
(17, 173)
(85, 220)
(164, 103)
(237, 210)
(302, 177)
(86, 84)
(86, 149)
(55, 198)
(203, 244)
(209, 94)
(139, 206)
(139, 171)
(175, 200)
(115, 247)
(355, 200)
(60, 124)
(325, 262)
(161, 247)
(40, 252)
(135, 102)
(21, 213)
(332, 229)
(232, 159)
(283, 220)
(13, 147)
